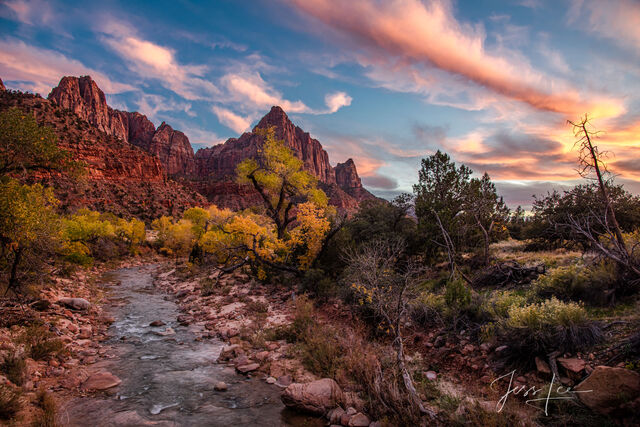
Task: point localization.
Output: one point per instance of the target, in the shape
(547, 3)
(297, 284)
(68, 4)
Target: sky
(387, 82)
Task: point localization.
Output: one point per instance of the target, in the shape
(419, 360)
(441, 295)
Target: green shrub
(318, 284)
(14, 367)
(553, 325)
(320, 350)
(498, 303)
(457, 294)
(9, 402)
(594, 284)
(257, 306)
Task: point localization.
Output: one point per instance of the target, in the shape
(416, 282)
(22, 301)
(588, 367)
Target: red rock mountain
(83, 96)
(218, 163)
(130, 161)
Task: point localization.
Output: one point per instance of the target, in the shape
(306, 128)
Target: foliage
(9, 402)
(29, 227)
(551, 213)
(469, 210)
(41, 343)
(593, 284)
(26, 146)
(552, 325)
(14, 367)
(47, 404)
(278, 175)
(90, 234)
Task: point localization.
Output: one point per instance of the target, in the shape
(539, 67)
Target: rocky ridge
(83, 96)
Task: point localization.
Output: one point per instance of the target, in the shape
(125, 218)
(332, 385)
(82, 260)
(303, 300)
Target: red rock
(101, 381)
(248, 368)
(572, 365)
(610, 389)
(359, 420)
(317, 397)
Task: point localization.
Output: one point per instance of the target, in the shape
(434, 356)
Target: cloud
(150, 60)
(616, 20)
(381, 182)
(253, 90)
(231, 120)
(410, 32)
(337, 100)
(38, 70)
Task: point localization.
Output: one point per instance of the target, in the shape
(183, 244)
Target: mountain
(83, 96)
(217, 164)
(129, 159)
(120, 177)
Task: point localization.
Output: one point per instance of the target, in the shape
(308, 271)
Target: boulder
(157, 323)
(101, 381)
(572, 365)
(359, 420)
(335, 415)
(247, 368)
(317, 397)
(75, 303)
(220, 386)
(610, 389)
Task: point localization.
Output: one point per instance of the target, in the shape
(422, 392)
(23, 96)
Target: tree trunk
(13, 278)
(406, 377)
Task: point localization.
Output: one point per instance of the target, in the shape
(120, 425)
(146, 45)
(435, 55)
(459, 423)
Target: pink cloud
(412, 32)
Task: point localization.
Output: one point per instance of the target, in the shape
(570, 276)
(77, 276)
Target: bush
(14, 368)
(594, 284)
(321, 350)
(9, 402)
(553, 325)
(318, 284)
(207, 286)
(41, 343)
(46, 418)
(497, 305)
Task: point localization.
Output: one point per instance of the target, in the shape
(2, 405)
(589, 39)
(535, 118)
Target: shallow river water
(169, 380)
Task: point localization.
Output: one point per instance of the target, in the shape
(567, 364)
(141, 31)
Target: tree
(487, 209)
(29, 227)
(439, 197)
(277, 175)
(383, 281)
(25, 146)
(590, 159)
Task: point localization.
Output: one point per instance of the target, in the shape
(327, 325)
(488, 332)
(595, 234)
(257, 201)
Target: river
(169, 380)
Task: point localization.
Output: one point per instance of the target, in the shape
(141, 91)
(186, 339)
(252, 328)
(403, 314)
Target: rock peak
(275, 117)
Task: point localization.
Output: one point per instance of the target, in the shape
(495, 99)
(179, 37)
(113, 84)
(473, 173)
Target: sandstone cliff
(120, 177)
(83, 96)
(218, 163)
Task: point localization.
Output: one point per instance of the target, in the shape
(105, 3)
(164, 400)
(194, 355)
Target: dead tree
(388, 287)
(590, 159)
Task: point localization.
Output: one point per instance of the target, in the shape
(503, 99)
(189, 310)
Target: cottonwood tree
(25, 146)
(386, 282)
(277, 175)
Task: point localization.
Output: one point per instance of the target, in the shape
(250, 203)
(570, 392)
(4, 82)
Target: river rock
(247, 368)
(75, 303)
(611, 388)
(101, 381)
(359, 420)
(317, 396)
(220, 386)
(157, 323)
(271, 380)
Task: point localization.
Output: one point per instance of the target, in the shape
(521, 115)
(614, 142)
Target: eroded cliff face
(83, 96)
(218, 164)
(210, 171)
(119, 177)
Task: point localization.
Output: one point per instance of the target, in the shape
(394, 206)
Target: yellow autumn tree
(291, 231)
